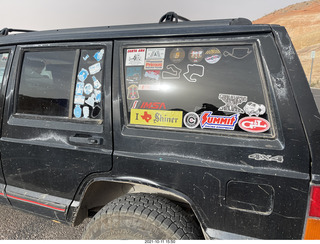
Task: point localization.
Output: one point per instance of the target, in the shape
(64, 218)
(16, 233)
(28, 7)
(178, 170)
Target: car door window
(3, 63)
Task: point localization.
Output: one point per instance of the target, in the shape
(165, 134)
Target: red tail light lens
(315, 202)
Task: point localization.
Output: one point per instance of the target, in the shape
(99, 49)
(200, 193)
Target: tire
(142, 217)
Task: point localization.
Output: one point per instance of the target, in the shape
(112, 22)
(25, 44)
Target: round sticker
(77, 111)
(212, 55)
(177, 55)
(254, 124)
(88, 88)
(191, 120)
(196, 55)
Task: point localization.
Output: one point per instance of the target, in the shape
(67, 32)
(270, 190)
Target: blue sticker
(79, 88)
(88, 89)
(77, 111)
(99, 55)
(98, 97)
(86, 57)
(83, 74)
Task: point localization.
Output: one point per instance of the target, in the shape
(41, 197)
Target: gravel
(18, 225)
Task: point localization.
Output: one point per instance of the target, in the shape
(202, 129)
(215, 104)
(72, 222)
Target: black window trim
(203, 41)
(43, 119)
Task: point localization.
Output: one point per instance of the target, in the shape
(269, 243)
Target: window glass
(3, 62)
(316, 95)
(45, 83)
(87, 96)
(195, 87)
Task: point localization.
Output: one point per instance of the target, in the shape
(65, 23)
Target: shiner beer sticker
(156, 117)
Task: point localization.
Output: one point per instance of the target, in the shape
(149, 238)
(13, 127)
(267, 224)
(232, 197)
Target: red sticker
(254, 124)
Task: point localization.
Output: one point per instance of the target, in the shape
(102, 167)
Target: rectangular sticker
(154, 65)
(135, 57)
(156, 117)
(156, 53)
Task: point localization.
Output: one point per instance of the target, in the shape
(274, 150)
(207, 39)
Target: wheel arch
(100, 191)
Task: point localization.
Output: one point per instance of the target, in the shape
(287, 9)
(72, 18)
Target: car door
(56, 127)
(6, 55)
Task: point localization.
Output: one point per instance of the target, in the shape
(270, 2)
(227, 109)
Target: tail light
(312, 230)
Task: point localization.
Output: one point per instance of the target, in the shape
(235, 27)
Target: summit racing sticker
(156, 117)
(207, 120)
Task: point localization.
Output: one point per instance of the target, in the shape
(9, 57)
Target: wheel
(142, 217)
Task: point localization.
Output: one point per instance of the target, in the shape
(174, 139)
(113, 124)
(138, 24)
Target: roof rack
(171, 17)
(6, 31)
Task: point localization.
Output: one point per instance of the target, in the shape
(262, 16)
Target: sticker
(212, 55)
(152, 74)
(254, 109)
(254, 124)
(263, 157)
(85, 112)
(88, 88)
(238, 52)
(193, 70)
(156, 117)
(177, 55)
(95, 111)
(95, 68)
(99, 55)
(97, 93)
(90, 100)
(195, 55)
(79, 99)
(79, 88)
(86, 57)
(232, 102)
(83, 74)
(96, 83)
(135, 104)
(133, 75)
(153, 105)
(155, 53)
(133, 92)
(207, 120)
(153, 64)
(191, 120)
(149, 87)
(173, 74)
(77, 111)
(135, 57)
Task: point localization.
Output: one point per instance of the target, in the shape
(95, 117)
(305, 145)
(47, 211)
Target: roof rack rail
(6, 31)
(171, 17)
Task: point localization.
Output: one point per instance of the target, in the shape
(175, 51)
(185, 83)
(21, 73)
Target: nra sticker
(212, 55)
(135, 57)
(191, 120)
(155, 53)
(196, 54)
(207, 120)
(177, 55)
(254, 124)
(153, 65)
(156, 117)
(132, 92)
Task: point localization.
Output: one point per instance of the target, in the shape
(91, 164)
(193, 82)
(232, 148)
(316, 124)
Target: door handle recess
(86, 140)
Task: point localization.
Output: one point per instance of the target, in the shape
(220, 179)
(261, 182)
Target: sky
(59, 14)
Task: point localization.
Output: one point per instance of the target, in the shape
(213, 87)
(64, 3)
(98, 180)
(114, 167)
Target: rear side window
(3, 63)
(199, 87)
(61, 83)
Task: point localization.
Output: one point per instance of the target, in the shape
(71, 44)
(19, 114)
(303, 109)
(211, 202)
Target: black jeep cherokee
(176, 130)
